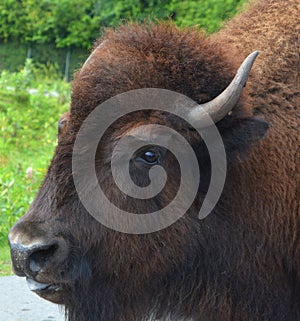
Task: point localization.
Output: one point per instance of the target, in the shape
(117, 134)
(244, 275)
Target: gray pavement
(17, 303)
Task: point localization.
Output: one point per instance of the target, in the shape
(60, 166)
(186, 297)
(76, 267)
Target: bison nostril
(36, 254)
(39, 258)
(31, 259)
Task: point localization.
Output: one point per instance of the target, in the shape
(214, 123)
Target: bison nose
(30, 260)
(33, 255)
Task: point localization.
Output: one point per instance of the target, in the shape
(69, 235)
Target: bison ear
(239, 135)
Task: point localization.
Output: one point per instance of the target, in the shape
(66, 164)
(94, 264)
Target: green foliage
(49, 28)
(77, 23)
(112, 13)
(38, 22)
(13, 56)
(13, 20)
(28, 125)
(5, 264)
(207, 14)
(63, 22)
(74, 23)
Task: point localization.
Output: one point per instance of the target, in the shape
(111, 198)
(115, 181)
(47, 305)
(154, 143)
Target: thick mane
(272, 27)
(152, 56)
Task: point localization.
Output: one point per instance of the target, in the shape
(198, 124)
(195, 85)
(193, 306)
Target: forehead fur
(151, 56)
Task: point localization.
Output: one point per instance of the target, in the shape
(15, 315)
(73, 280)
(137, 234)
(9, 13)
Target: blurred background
(42, 42)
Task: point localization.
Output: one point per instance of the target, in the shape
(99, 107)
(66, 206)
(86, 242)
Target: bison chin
(50, 292)
(61, 285)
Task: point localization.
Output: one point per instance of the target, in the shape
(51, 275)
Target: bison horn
(220, 106)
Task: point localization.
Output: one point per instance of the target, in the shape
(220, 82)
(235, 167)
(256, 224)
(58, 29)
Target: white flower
(29, 172)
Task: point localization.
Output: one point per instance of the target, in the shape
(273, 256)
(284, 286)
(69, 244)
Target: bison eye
(61, 125)
(148, 157)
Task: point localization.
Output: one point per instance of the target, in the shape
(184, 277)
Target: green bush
(13, 56)
(207, 14)
(48, 29)
(28, 125)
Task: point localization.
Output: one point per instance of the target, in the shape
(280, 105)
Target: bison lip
(50, 292)
(35, 286)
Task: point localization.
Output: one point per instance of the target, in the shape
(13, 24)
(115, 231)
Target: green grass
(28, 135)
(5, 264)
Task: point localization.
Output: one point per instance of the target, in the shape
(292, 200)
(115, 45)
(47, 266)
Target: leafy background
(58, 30)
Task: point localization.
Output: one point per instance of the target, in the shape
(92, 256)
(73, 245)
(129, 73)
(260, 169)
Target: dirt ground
(17, 303)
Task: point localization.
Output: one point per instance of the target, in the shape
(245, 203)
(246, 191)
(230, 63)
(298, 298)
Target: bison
(239, 263)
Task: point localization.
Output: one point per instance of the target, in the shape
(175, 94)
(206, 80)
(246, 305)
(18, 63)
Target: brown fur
(242, 262)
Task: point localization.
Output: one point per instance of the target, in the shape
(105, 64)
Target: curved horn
(102, 45)
(220, 106)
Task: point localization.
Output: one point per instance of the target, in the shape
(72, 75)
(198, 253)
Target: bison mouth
(50, 292)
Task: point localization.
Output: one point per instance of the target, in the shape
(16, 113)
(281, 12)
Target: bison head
(98, 273)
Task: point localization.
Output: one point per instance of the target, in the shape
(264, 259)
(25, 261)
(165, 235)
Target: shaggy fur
(241, 263)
